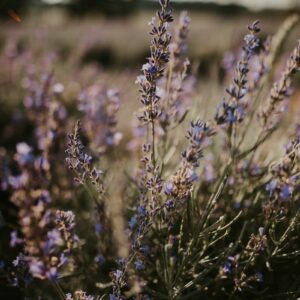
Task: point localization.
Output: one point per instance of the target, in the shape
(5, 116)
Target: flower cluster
(257, 243)
(176, 87)
(173, 87)
(260, 66)
(271, 112)
(285, 179)
(156, 65)
(79, 295)
(230, 265)
(80, 162)
(41, 243)
(20, 276)
(180, 185)
(65, 221)
(179, 48)
(232, 109)
(44, 108)
(150, 178)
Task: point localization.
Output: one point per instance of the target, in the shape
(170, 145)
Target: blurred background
(107, 40)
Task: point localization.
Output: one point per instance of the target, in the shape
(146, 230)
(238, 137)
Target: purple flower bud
(142, 211)
(191, 176)
(53, 239)
(52, 274)
(252, 43)
(98, 228)
(14, 239)
(271, 186)
(63, 260)
(145, 249)
(36, 268)
(139, 265)
(100, 259)
(168, 188)
(286, 192)
(16, 261)
(132, 222)
(227, 268)
(151, 69)
(256, 170)
(170, 204)
(118, 274)
(24, 154)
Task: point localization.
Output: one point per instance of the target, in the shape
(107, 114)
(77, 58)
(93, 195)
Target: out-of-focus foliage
(107, 7)
(16, 5)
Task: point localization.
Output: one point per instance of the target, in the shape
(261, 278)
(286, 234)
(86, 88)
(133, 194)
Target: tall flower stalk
(280, 91)
(231, 111)
(154, 69)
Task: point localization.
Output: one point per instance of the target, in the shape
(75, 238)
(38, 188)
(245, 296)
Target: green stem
(59, 290)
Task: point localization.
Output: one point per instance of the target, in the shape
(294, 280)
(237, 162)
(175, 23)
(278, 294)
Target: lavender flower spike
(280, 91)
(157, 61)
(181, 183)
(65, 221)
(81, 162)
(231, 110)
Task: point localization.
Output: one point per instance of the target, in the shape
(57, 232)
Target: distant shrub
(107, 7)
(17, 6)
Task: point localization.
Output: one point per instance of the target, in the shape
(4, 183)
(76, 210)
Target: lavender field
(149, 156)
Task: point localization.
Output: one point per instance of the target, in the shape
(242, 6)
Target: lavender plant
(218, 220)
